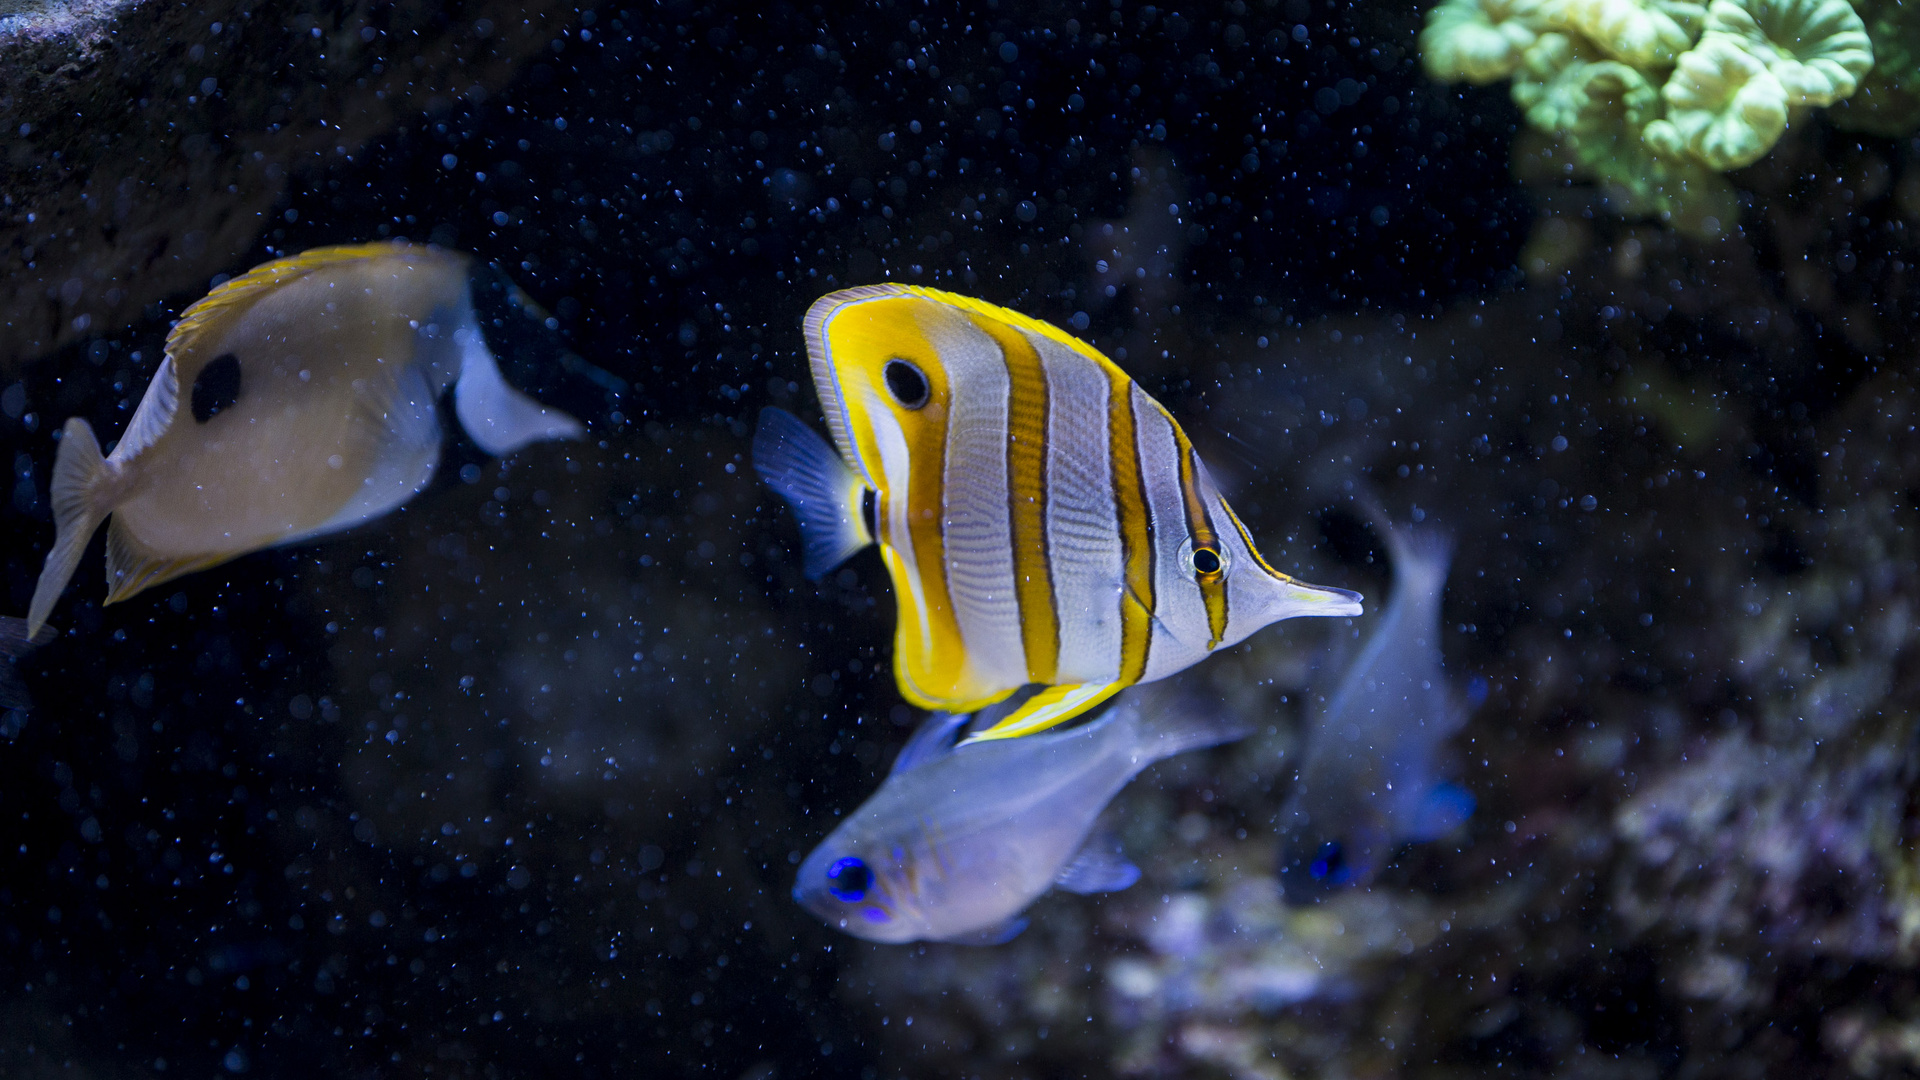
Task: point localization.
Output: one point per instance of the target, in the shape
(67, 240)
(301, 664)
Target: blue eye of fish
(849, 879)
(1330, 864)
(906, 382)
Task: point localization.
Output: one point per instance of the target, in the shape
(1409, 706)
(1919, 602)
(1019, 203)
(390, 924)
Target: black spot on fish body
(217, 387)
(906, 382)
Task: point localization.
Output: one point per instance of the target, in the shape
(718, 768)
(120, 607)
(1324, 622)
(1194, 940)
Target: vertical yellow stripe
(1027, 498)
(1213, 587)
(856, 341)
(1136, 529)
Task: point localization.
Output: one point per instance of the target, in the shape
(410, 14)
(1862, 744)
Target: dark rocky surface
(147, 144)
(513, 781)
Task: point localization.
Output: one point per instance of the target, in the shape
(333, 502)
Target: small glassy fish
(295, 400)
(1044, 520)
(1367, 783)
(958, 841)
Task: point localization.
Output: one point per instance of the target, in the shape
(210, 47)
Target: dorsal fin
(932, 740)
(243, 289)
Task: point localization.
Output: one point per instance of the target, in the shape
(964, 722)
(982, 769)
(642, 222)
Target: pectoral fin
(1099, 867)
(825, 494)
(998, 934)
(1048, 708)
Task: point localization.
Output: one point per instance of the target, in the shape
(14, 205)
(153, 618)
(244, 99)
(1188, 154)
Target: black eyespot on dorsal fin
(217, 387)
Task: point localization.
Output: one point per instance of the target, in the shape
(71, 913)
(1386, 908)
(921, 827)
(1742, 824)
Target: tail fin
(1170, 721)
(498, 418)
(1420, 553)
(78, 473)
(825, 495)
(15, 643)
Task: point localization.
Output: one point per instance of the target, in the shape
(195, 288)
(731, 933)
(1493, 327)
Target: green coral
(1817, 49)
(1725, 107)
(1888, 101)
(1479, 41)
(1642, 34)
(1654, 98)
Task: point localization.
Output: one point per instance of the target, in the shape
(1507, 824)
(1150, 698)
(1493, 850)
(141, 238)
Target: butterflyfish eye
(849, 879)
(1206, 561)
(907, 383)
(217, 387)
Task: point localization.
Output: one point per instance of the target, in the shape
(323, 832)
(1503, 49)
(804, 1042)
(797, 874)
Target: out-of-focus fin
(1446, 807)
(407, 449)
(998, 934)
(1171, 721)
(498, 418)
(81, 477)
(931, 741)
(1049, 708)
(1420, 553)
(825, 494)
(1098, 868)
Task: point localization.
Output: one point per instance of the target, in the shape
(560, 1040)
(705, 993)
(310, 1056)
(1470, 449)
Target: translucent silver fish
(958, 841)
(1369, 779)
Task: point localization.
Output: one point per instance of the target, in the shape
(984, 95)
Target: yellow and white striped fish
(1044, 520)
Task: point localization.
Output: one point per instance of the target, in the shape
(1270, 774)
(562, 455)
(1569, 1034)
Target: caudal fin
(498, 418)
(1420, 553)
(79, 472)
(825, 495)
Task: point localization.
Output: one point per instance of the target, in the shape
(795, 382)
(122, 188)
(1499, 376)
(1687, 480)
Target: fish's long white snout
(1293, 599)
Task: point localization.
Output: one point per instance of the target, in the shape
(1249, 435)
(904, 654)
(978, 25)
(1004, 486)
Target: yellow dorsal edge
(1015, 319)
(266, 276)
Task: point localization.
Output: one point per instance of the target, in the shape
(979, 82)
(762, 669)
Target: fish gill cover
(518, 777)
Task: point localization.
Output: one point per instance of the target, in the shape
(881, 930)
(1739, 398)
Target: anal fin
(1098, 868)
(1049, 708)
(132, 567)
